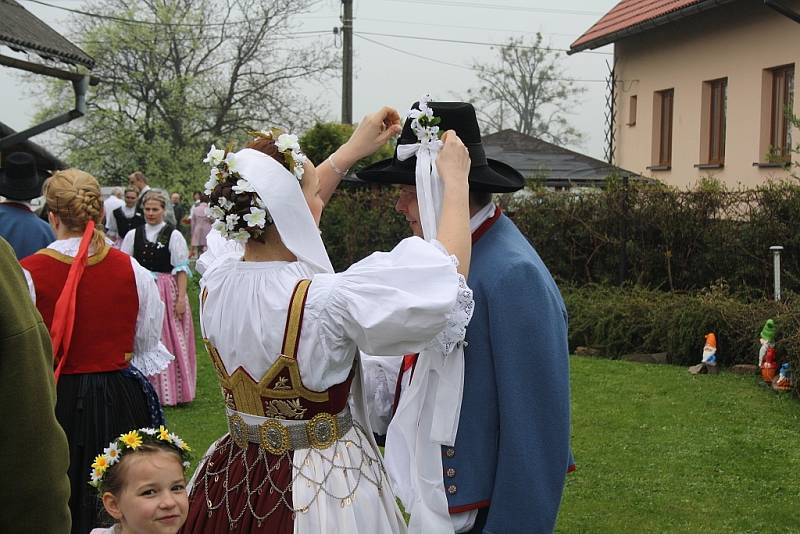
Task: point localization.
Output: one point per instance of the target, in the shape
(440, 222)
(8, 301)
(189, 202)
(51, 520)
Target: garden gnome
(766, 355)
(709, 362)
(784, 380)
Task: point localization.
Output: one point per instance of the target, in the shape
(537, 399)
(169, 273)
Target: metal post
(347, 62)
(776, 265)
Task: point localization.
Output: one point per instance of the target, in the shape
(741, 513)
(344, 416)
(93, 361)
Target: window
(632, 111)
(715, 104)
(780, 130)
(662, 129)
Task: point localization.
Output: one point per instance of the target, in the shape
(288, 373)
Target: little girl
(140, 478)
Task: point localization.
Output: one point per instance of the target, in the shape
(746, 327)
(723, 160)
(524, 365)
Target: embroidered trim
(63, 258)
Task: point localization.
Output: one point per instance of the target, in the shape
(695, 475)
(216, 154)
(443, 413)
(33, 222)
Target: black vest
(124, 224)
(153, 256)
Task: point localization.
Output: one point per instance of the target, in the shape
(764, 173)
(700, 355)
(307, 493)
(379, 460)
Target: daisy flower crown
(232, 195)
(130, 441)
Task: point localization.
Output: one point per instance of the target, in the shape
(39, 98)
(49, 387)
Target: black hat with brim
(19, 178)
(485, 174)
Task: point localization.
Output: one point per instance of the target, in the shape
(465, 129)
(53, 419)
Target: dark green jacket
(34, 491)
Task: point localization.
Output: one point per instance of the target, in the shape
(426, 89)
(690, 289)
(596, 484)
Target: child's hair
(114, 479)
(108, 470)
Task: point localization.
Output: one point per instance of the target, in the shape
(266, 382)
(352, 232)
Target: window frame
(717, 120)
(780, 129)
(666, 116)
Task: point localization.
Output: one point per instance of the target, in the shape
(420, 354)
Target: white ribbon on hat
(429, 409)
(429, 184)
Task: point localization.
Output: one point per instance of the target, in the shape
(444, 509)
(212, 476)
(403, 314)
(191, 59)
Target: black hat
(484, 175)
(19, 178)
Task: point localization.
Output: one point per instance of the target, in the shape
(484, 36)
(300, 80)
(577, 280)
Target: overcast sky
(387, 70)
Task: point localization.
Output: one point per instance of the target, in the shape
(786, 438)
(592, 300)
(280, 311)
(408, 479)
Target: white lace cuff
(153, 362)
(457, 319)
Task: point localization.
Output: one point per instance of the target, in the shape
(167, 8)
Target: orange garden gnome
(709, 362)
(766, 355)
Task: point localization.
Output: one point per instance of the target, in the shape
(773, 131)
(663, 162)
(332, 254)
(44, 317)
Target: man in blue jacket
(506, 470)
(19, 225)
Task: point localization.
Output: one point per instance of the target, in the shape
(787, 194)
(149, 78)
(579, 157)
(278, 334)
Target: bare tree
(186, 74)
(528, 91)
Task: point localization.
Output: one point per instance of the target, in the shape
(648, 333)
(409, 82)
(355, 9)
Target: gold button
(452, 489)
(450, 452)
(451, 472)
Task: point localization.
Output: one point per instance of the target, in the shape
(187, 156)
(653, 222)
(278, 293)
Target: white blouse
(388, 303)
(150, 356)
(178, 249)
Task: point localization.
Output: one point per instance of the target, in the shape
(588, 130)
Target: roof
(556, 165)
(45, 161)
(21, 30)
(633, 16)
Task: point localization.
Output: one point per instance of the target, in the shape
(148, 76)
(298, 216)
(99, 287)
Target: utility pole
(347, 62)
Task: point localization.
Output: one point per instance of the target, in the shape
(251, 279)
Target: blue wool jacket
(24, 230)
(512, 448)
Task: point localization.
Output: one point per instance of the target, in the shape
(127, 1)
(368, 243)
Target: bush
(619, 321)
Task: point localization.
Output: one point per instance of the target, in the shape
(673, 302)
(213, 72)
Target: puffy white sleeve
(391, 303)
(127, 242)
(150, 356)
(111, 225)
(179, 253)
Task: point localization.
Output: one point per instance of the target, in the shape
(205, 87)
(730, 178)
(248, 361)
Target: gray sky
(386, 76)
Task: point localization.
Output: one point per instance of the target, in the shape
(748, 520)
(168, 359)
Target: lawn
(658, 450)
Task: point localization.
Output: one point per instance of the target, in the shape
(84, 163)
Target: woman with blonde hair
(98, 354)
(161, 248)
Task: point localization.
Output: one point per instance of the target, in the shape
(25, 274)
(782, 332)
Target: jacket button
(452, 489)
(450, 452)
(451, 472)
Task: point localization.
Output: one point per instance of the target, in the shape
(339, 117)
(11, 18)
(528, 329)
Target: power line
(165, 39)
(441, 40)
(412, 54)
(139, 21)
(406, 52)
(438, 25)
(500, 7)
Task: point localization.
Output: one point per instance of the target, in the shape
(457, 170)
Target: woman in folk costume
(201, 223)
(98, 355)
(162, 249)
(283, 330)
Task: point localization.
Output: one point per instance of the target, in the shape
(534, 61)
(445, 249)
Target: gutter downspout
(80, 87)
(783, 10)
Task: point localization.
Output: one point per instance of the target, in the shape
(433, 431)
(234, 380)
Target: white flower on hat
(214, 156)
(243, 186)
(287, 142)
(230, 161)
(212, 181)
(241, 236)
(112, 453)
(220, 227)
(256, 217)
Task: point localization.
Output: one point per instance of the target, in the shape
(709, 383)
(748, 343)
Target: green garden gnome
(766, 354)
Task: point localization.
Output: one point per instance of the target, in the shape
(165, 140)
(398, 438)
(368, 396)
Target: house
(23, 33)
(556, 167)
(702, 87)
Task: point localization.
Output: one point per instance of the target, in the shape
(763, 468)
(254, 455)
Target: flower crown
(223, 170)
(131, 441)
(423, 123)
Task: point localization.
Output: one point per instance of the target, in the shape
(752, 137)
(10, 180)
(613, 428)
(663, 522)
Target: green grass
(658, 450)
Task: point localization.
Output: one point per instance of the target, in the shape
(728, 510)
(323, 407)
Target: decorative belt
(278, 436)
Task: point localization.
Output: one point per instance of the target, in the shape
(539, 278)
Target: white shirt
(109, 205)
(389, 303)
(150, 356)
(178, 249)
(111, 222)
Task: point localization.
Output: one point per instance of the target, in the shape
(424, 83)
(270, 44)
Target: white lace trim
(457, 319)
(153, 362)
